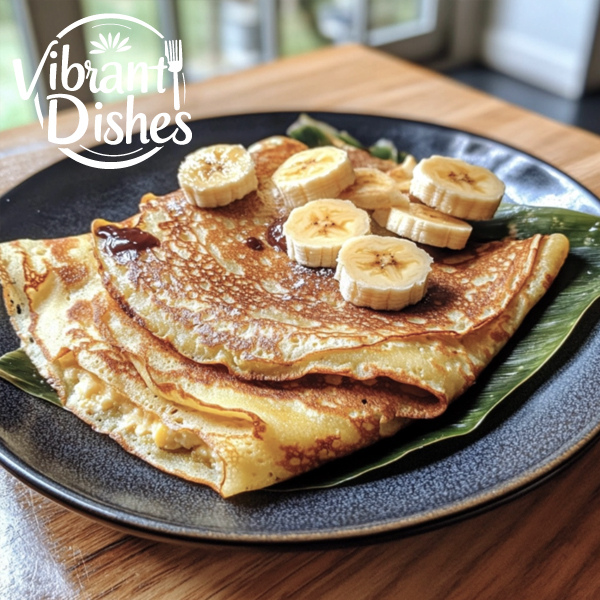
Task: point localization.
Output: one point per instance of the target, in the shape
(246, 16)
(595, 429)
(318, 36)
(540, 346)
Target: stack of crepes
(228, 364)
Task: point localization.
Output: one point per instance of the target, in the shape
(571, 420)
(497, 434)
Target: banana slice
(457, 188)
(384, 273)
(316, 231)
(373, 189)
(402, 174)
(425, 225)
(313, 174)
(217, 175)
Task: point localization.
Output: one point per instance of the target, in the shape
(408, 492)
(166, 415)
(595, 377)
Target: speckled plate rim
(487, 499)
(130, 523)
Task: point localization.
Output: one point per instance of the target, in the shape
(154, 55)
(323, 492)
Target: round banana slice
(312, 174)
(402, 174)
(425, 225)
(373, 189)
(217, 175)
(457, 188)
(384, 273)
(316, 231)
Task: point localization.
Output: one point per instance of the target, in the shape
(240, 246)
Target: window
(219, 36)
(14, 111)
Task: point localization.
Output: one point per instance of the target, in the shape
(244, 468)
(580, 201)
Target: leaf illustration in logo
(106, 44)
(122, 47)
(100, 50)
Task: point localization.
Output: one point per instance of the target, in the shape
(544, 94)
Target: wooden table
(545, 544)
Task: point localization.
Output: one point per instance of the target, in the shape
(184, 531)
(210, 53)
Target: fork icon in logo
(174, 56)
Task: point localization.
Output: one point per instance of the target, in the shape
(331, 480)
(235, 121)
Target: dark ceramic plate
(540, 428)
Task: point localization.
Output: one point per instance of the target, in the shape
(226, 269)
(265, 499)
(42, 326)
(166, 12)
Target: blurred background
(542, 54)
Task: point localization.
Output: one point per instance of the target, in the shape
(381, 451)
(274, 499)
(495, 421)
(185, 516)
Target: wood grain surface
(545, 544)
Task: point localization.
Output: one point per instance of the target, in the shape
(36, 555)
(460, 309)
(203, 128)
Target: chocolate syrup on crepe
(275, 235)
(130, 240)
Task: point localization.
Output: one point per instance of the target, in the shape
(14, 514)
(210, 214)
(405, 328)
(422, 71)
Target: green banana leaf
(575, 290)
(17, 368)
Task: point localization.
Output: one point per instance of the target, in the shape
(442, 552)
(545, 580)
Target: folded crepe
(299, 377)
(195, 421)
(199, 421)
(216, 300)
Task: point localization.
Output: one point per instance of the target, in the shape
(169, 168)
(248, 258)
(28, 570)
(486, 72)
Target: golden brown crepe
(199, 421)
(216, 300)
(192, 420)
(299, 376)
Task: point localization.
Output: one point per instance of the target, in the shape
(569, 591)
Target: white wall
(548, 43)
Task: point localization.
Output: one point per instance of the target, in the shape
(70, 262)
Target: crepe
(216, 300)
(234, 367)
(199, 421)
(195, 421)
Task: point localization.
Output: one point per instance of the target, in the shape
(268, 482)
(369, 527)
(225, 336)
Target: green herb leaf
(349, 139)
(384, 149)
(310, 135)
(17, 368)
(315, 133)
(576, 288)
(304, 120)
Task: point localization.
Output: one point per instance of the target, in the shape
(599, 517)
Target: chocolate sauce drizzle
(254, 244)
(130, 240)
(275, 235)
